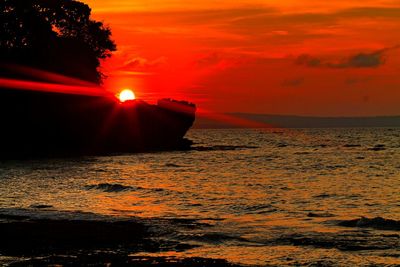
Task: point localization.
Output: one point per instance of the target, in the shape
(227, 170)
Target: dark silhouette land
(38, 124)
(286, 121)
(57, 36)
(57, 42)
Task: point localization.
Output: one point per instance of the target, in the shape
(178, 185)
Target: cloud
(207, 60)
(363, 60)
(135, 63)
(220, 61)
(370, 12)
(271, 18)
(308, 61)
(295, 82)
(138, 64)
(260, 29)
(360, 60)
(357, 80)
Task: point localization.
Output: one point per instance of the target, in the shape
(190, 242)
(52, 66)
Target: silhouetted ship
(42, 124)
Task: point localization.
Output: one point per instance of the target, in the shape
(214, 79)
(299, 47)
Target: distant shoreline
(287, 121)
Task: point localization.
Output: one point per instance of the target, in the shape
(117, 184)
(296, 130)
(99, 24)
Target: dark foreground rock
(54, 238)
(39, 237)
(44, 124)
(114, 259)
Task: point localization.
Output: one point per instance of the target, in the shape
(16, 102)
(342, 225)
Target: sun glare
(126, 95)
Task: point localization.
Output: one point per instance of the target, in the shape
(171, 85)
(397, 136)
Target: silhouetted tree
(54, 35)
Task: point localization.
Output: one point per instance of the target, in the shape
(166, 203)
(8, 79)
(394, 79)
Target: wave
(213, 238)
(110, 188)
(378, 147)
(376, 223)
(173, 165)
(324, 195)
(19, 214)
(222, 148)
(40, 206)
(351, 145)
(344, 241)
(117, 188)
(320, 215)
(253, 209)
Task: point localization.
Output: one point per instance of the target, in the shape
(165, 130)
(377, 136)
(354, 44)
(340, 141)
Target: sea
(253, 197)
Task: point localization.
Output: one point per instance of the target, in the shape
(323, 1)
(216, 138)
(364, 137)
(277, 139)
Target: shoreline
(97, 240)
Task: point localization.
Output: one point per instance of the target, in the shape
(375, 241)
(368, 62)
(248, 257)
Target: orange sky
(303, 57)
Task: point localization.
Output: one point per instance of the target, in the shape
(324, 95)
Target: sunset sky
(302, 57)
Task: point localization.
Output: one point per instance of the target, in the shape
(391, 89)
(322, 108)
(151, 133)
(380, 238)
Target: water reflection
(279, 198)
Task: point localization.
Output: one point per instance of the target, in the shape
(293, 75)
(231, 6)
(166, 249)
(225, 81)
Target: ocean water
(253, 197)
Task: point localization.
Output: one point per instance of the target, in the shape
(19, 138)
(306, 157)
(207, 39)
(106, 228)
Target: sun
(126, 94)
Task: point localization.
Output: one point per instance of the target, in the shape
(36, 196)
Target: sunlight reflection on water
(257, 200)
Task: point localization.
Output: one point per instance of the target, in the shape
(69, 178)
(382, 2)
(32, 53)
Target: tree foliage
(54, 35)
